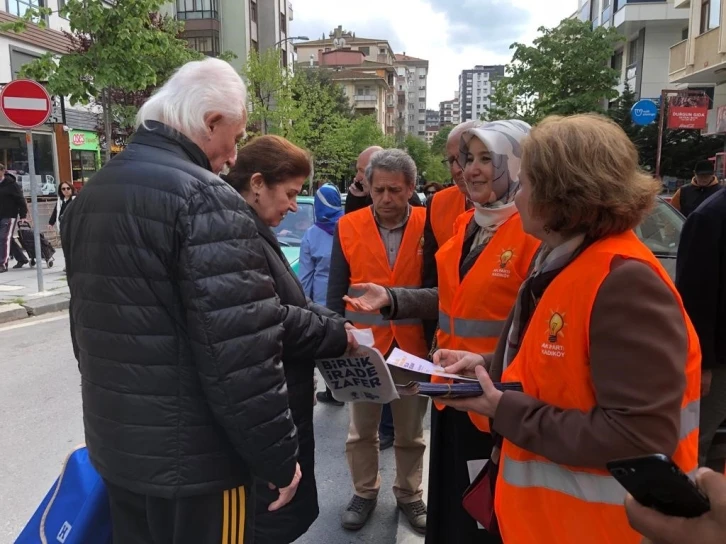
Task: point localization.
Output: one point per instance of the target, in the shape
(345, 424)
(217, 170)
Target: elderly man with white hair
(176, 326)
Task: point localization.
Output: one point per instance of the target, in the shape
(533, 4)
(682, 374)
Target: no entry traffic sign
(25, 103)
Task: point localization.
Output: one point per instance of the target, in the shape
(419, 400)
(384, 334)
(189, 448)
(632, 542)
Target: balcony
(679, 4)
(631, 16)
(698, 60)
(366, 101)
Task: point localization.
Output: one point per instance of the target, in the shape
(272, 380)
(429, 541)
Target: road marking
(31, 322)
(11, 288)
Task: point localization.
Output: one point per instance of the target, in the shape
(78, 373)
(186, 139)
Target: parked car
(293, 227)
(660, 231)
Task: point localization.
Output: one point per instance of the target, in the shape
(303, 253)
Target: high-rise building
(433, 119)
(417, 75)
(650, 29)
(475, 89)
(449, 113)
(240, 26)
(377, 81)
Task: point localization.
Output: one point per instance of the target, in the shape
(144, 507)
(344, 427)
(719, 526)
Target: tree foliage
(438, 146)
(565, 71)
(270, 97)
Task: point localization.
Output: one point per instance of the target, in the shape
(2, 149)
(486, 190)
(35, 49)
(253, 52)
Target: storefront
(85, 155)
(14, 155)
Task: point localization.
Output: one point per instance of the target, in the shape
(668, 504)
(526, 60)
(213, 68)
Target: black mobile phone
(656, 482)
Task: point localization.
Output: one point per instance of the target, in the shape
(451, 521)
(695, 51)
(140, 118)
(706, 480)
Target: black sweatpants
(221, 518)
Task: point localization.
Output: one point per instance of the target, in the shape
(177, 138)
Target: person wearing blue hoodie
(315, 250)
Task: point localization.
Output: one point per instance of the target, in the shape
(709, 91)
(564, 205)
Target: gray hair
(194, 91)
(393, 161)
(459, 129)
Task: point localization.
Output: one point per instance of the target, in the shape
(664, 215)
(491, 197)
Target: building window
(710, 15)
(253, 11)
(209, 45)
(365, 50)
(255, 46)
(18, 59)
(617, 62)
(283, 23)
(632, 52)
(197, 9)
(19, 7)
(684, 34)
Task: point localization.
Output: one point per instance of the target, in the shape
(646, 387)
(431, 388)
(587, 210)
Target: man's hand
(458, 362)
(485, 405)
(287, 493)
(706, 379)
(374, 297)
(710, 528)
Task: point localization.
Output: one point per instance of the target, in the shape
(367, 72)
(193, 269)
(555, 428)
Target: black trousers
(226, 517)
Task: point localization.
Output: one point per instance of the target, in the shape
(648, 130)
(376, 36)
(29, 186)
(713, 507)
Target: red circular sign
(25, 103)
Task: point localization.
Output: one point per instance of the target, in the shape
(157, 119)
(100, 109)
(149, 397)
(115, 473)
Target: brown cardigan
(638, 350)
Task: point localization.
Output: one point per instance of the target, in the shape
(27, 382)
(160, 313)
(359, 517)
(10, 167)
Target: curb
(46, 305)
(12, 312)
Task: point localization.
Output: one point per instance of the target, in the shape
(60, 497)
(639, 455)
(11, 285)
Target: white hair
(194, 91)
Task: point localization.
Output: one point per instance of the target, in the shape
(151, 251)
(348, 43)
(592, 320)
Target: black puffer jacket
(12, 201)
(176, 326)
(311, 332)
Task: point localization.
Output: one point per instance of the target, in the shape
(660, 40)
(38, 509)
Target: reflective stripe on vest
(470, 328)
(377, 320)
(690, 418)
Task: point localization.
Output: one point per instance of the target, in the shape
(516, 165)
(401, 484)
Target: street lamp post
(301, 38)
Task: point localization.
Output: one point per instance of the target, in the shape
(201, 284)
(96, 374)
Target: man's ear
(212, 121)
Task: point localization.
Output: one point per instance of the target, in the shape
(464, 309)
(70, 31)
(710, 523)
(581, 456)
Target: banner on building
(688, 111)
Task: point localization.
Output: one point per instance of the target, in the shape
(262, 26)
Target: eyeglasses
(450, 161)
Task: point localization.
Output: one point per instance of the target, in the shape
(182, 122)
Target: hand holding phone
(656, 482)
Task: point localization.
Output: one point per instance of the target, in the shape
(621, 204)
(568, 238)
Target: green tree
(436, 170)
(270, 95)
(366, 132)
(438, 146)
(419, 151)
(114, 48)
(565, 71)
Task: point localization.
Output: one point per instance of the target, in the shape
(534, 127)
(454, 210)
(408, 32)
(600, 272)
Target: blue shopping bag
(75, 510)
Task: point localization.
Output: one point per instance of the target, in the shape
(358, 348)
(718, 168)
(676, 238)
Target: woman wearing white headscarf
(480, 271)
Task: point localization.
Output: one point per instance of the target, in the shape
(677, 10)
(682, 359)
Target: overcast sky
(452, 35)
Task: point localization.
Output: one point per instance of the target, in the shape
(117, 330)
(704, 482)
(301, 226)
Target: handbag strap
(44, 517)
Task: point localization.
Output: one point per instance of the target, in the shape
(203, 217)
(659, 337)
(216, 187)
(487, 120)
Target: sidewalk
(19, 297)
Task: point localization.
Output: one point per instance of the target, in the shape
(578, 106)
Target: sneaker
(20, 265)
(415, 512)
(358, 512)
(3, 268)
(327, 398)
(32, 263)
(386, 441)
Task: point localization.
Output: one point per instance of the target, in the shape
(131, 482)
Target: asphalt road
(41, 421)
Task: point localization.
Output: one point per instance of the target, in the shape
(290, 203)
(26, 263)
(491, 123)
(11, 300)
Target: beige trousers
(362, 451)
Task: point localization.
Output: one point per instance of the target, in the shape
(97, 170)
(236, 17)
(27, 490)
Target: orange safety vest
(446, 206)
(368, 261)
(538, 501)
(472, 312)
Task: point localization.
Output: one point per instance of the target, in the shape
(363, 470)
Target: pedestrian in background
(430, 189)
(490, 253)
(704, 184)
(12, 206)
(382, 243)
(315, 250)
(176, 324)
(701, 281)
(66, 194)
(599, 339)
(269, 174)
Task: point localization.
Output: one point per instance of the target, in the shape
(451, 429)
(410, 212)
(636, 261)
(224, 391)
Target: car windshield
(293, 227)
(661, 230)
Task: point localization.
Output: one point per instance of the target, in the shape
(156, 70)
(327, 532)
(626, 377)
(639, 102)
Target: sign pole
(661, 125)
(34, 209)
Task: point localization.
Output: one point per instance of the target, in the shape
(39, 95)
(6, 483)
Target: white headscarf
(503, 140)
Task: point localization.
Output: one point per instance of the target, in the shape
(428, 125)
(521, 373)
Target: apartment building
(433, 119)
(417, 74)
(449, 113)
(650, 28)
(397, 93)
(240, 26)
(699, 59)
(66, 147)
(475, 89)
